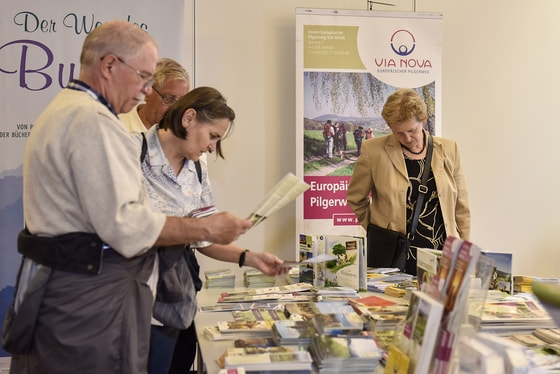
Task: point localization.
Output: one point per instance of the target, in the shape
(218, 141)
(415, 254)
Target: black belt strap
(77, 252)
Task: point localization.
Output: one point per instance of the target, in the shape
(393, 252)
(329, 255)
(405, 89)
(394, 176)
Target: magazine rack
(462, 279)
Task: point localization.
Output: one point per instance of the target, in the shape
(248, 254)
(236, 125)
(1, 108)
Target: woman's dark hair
(210, 105)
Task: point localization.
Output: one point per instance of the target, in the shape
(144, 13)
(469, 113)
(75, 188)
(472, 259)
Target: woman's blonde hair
(402, 105)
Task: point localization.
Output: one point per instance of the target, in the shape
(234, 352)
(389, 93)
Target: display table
(209, 351)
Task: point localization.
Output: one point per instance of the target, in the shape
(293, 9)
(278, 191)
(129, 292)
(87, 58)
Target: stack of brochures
(222, 278)
(271, 360)
(338, 323)
(520, 313)
(345, 354)
(379, 279)
(290, 332)
(254, 278)
(334, 293)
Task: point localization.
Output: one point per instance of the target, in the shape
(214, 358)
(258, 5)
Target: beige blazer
(381, 170)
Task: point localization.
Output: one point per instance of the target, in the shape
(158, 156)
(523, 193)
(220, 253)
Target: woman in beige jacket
(384, 186)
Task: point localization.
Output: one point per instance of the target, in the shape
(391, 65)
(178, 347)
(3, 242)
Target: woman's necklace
(416, 153)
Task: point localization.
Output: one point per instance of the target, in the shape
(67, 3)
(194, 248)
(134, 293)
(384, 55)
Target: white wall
(501, 86)
(500, 95)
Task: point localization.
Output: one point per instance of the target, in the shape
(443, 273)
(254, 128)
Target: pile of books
(270, 359)
(344, 323)
(221, 278)
(290, 292)
(487, 353)
(523, 283)
(290, 332)
(254, 278)
(510, 315)
(259, 314)
(549, 336)
(334, 293)
(344, 354)
(379, 279)
(306, 310)
(232, 330)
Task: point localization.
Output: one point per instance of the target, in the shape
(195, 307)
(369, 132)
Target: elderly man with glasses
(82, 302)
(170, 82)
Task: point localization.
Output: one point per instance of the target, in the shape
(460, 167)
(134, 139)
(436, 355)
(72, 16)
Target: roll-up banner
(40, 44)
(347, 64)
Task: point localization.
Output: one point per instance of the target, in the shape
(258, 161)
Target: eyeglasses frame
(148, 78)
(165, 98)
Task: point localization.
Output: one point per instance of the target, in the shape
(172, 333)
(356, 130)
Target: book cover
(297, 287)
(254, 342)
(397, 309)
(347, 267)
(502, 277)
(271, 361)
(456, 287)
(398, 362)
(427, 262)
(421, 330)
(258, 314)
(477, 357)
(371, 300)
(337, 354)
(300, 311)
(438, 286)
(244, 351)
(338, 323)
(306, 310)
(310, 272)
(454, 297)
(214, 334)
(293, 332)
(255, 327)
(221, 307)
(509, 312)
(280, 297)
(384, 321)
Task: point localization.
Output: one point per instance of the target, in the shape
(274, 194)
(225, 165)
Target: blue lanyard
(81, 86)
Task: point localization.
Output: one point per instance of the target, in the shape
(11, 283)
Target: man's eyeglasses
(167, 99)
(145, 77)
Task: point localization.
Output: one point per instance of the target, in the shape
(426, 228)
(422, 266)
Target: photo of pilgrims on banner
(348, 63)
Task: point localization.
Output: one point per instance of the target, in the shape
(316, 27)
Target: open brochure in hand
(285, 191)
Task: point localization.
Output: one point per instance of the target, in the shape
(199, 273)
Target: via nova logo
(403, 42)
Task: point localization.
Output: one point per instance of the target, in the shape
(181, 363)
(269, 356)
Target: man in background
(171, 82)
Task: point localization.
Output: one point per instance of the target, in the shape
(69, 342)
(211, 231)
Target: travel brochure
(332, 260)
(284, 192)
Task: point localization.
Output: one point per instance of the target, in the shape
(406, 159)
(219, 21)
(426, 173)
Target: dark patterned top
(430, 231)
